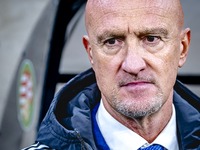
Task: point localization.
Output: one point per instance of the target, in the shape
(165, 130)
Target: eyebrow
(160, 31)
(109, 34)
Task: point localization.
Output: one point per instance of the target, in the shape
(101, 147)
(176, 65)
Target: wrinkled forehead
(96, 9)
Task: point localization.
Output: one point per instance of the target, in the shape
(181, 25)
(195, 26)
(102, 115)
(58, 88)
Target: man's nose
(134, 62)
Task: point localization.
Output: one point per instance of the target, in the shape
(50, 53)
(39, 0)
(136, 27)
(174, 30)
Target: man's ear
(185, 43)
(88, 48)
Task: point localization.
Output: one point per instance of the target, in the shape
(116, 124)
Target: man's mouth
(141, 84)
(137, 83)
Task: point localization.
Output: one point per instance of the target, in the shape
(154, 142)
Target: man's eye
(111, 41)
(152, 38)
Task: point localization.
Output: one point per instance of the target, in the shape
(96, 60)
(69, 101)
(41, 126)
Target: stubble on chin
(137, 109)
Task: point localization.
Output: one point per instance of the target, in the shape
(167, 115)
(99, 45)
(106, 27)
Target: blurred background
(25, 21)
(17, 20)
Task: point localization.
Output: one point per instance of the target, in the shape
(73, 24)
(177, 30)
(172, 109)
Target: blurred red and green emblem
(25, 94)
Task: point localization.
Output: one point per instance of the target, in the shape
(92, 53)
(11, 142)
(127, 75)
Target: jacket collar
(68, 123)
(188, 123)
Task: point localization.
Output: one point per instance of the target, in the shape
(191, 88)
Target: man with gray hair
(126, 101)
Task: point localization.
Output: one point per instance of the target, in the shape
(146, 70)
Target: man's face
(135, 50)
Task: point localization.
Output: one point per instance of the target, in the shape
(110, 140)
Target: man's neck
(148, 127)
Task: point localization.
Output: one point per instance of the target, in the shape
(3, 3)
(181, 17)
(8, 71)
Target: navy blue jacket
(68, 123)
